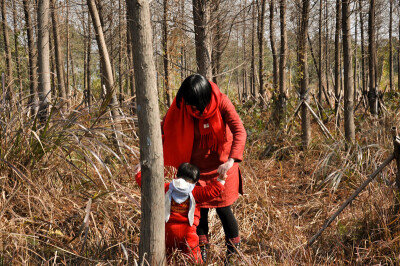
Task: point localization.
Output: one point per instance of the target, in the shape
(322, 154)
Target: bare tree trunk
(275, 61)
(337, 59)
(391, 45)
(282, 62)
(167, 88)
(363, 76)
(253, 67)
(59, 58)
(327, 54)
(355, 59)
(320, 54)
(120, 53)
(201, 17)
(67, 87)
(108, 75)
(260, 35)
(372, 93)
(303, 68)
(216, 51)
(244, 58)
(152, 239)
(7, 46)
(88, 51)
(31, 59)
(44, 59)
(348, 85)
(398, 59)
(17, 61)
(130, 60)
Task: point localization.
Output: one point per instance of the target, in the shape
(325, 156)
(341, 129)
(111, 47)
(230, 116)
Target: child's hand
(137, 169)
(224, 168)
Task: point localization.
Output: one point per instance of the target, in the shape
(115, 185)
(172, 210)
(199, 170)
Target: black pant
(227, 218)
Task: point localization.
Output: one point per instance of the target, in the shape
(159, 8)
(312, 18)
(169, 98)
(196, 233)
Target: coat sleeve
(204, 194)
(232, 119)
(138, 178)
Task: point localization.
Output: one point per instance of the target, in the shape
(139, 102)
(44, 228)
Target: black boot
(204, 252)
(232, 248)
(204, 247)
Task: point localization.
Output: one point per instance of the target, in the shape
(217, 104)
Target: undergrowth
(66, 196)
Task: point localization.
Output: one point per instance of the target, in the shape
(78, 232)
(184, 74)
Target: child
(181, 212)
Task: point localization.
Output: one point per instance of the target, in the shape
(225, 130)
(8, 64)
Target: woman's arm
(207, 193)
(232, 119)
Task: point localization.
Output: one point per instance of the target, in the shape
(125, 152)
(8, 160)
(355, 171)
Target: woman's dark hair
(189, 172)
(195, 90)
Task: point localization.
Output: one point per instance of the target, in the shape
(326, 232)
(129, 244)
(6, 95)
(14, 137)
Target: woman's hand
(137, 169)
(223, 168)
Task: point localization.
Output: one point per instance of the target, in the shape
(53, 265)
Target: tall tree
(166, 56)
(17, 60)
(44, 88)
(152, 246)
(391, 45)
(33, 88)
(7, 47)
(303, 74)
(282, 61)
(108, 74)
(320, 53)
(201, 18)
(372, 62)
(260, 36)
(347, 64)
(216, 51)
(275, 61)
(253, 56)
(59, 56)
(363, 76)
(337, 58)
(244, 54)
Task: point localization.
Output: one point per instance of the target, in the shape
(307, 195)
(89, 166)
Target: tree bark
(355, 76)
(152, 239)
(337, 60)
(33, 86)
(320, 54)
(201, 17)
(275, 61)
(44, 59)
(282, 62)
(253, 56)
(303, 67)
(372, 93)
(260, 35)
(167, 88)
(17, 61)
(59, 58)
(108, 75)
(327, 53)
(390, 45)
(363, 76)
(88, 52)
(7, 47)
(216, 51)
(348, 85)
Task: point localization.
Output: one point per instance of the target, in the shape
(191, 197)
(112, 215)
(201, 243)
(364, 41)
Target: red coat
(179, 212)
(208, 160)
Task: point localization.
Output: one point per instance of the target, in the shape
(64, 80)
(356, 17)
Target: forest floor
(67, 198)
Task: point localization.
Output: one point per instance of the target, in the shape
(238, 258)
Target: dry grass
(67, 198)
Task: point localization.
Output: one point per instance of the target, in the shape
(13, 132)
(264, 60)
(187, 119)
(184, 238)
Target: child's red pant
(183, 237)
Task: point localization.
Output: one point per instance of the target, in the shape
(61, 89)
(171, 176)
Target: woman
(203, 127)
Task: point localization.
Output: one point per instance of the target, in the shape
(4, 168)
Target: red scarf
(179, 129)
